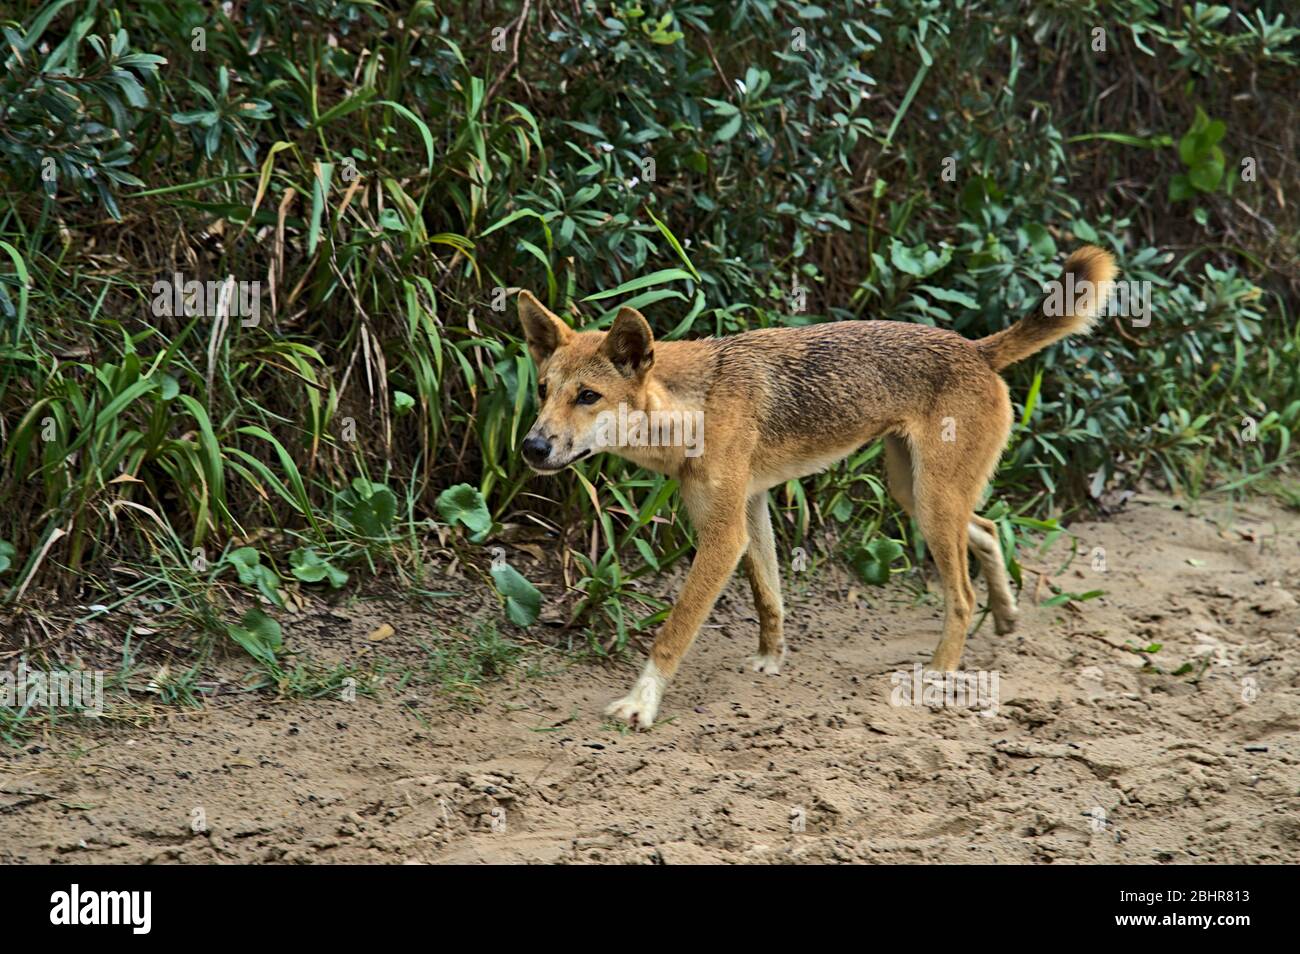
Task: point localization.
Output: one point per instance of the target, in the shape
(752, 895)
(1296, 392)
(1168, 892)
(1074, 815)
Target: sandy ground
(1090, 754)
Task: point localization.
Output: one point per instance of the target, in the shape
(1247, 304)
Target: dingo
(781, 403)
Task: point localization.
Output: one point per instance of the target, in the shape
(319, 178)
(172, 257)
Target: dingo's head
(579, 376)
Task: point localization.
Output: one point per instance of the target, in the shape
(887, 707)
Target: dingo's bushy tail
(1079, 300)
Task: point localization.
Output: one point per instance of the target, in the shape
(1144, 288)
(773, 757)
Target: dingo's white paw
(635, 712)
(770, 664)
(640, 706)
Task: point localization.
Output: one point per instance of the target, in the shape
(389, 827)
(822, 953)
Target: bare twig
(514, 52)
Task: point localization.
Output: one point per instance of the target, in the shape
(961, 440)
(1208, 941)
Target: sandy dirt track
(1088, 756)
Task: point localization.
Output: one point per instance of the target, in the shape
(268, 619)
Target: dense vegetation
(390, 172)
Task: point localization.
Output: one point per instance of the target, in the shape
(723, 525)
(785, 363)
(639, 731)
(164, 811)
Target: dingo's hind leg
(981, 535)
(764, 574)
(954, 453)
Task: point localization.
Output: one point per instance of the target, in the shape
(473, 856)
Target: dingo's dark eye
(541, 390)
(587, 396)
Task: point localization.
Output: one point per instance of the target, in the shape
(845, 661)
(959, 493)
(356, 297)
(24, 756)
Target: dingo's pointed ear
(629, 343)
(543, 329)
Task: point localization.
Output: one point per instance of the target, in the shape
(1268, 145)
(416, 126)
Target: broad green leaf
(310, 567)
(464, 504)
(523, 600)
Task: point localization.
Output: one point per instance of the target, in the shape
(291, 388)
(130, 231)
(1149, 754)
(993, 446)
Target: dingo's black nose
(536, 449)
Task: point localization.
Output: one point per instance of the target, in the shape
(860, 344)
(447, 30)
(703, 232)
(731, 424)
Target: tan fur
(780, 403)
(1088, 265)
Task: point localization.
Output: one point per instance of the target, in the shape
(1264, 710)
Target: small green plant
(463, 505)
(1199, 152)
(609, 592)
(462, 663)
(261, 637)
(873, 561)
(254, 573)
(224, 114)
(370, 508)
(1061, 597)
(523, 601)
(1204, 161)
(310, 567)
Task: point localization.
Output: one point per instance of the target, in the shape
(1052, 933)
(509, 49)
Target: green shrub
(388, 172)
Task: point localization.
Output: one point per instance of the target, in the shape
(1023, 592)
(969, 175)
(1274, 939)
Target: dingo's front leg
(720, 521)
